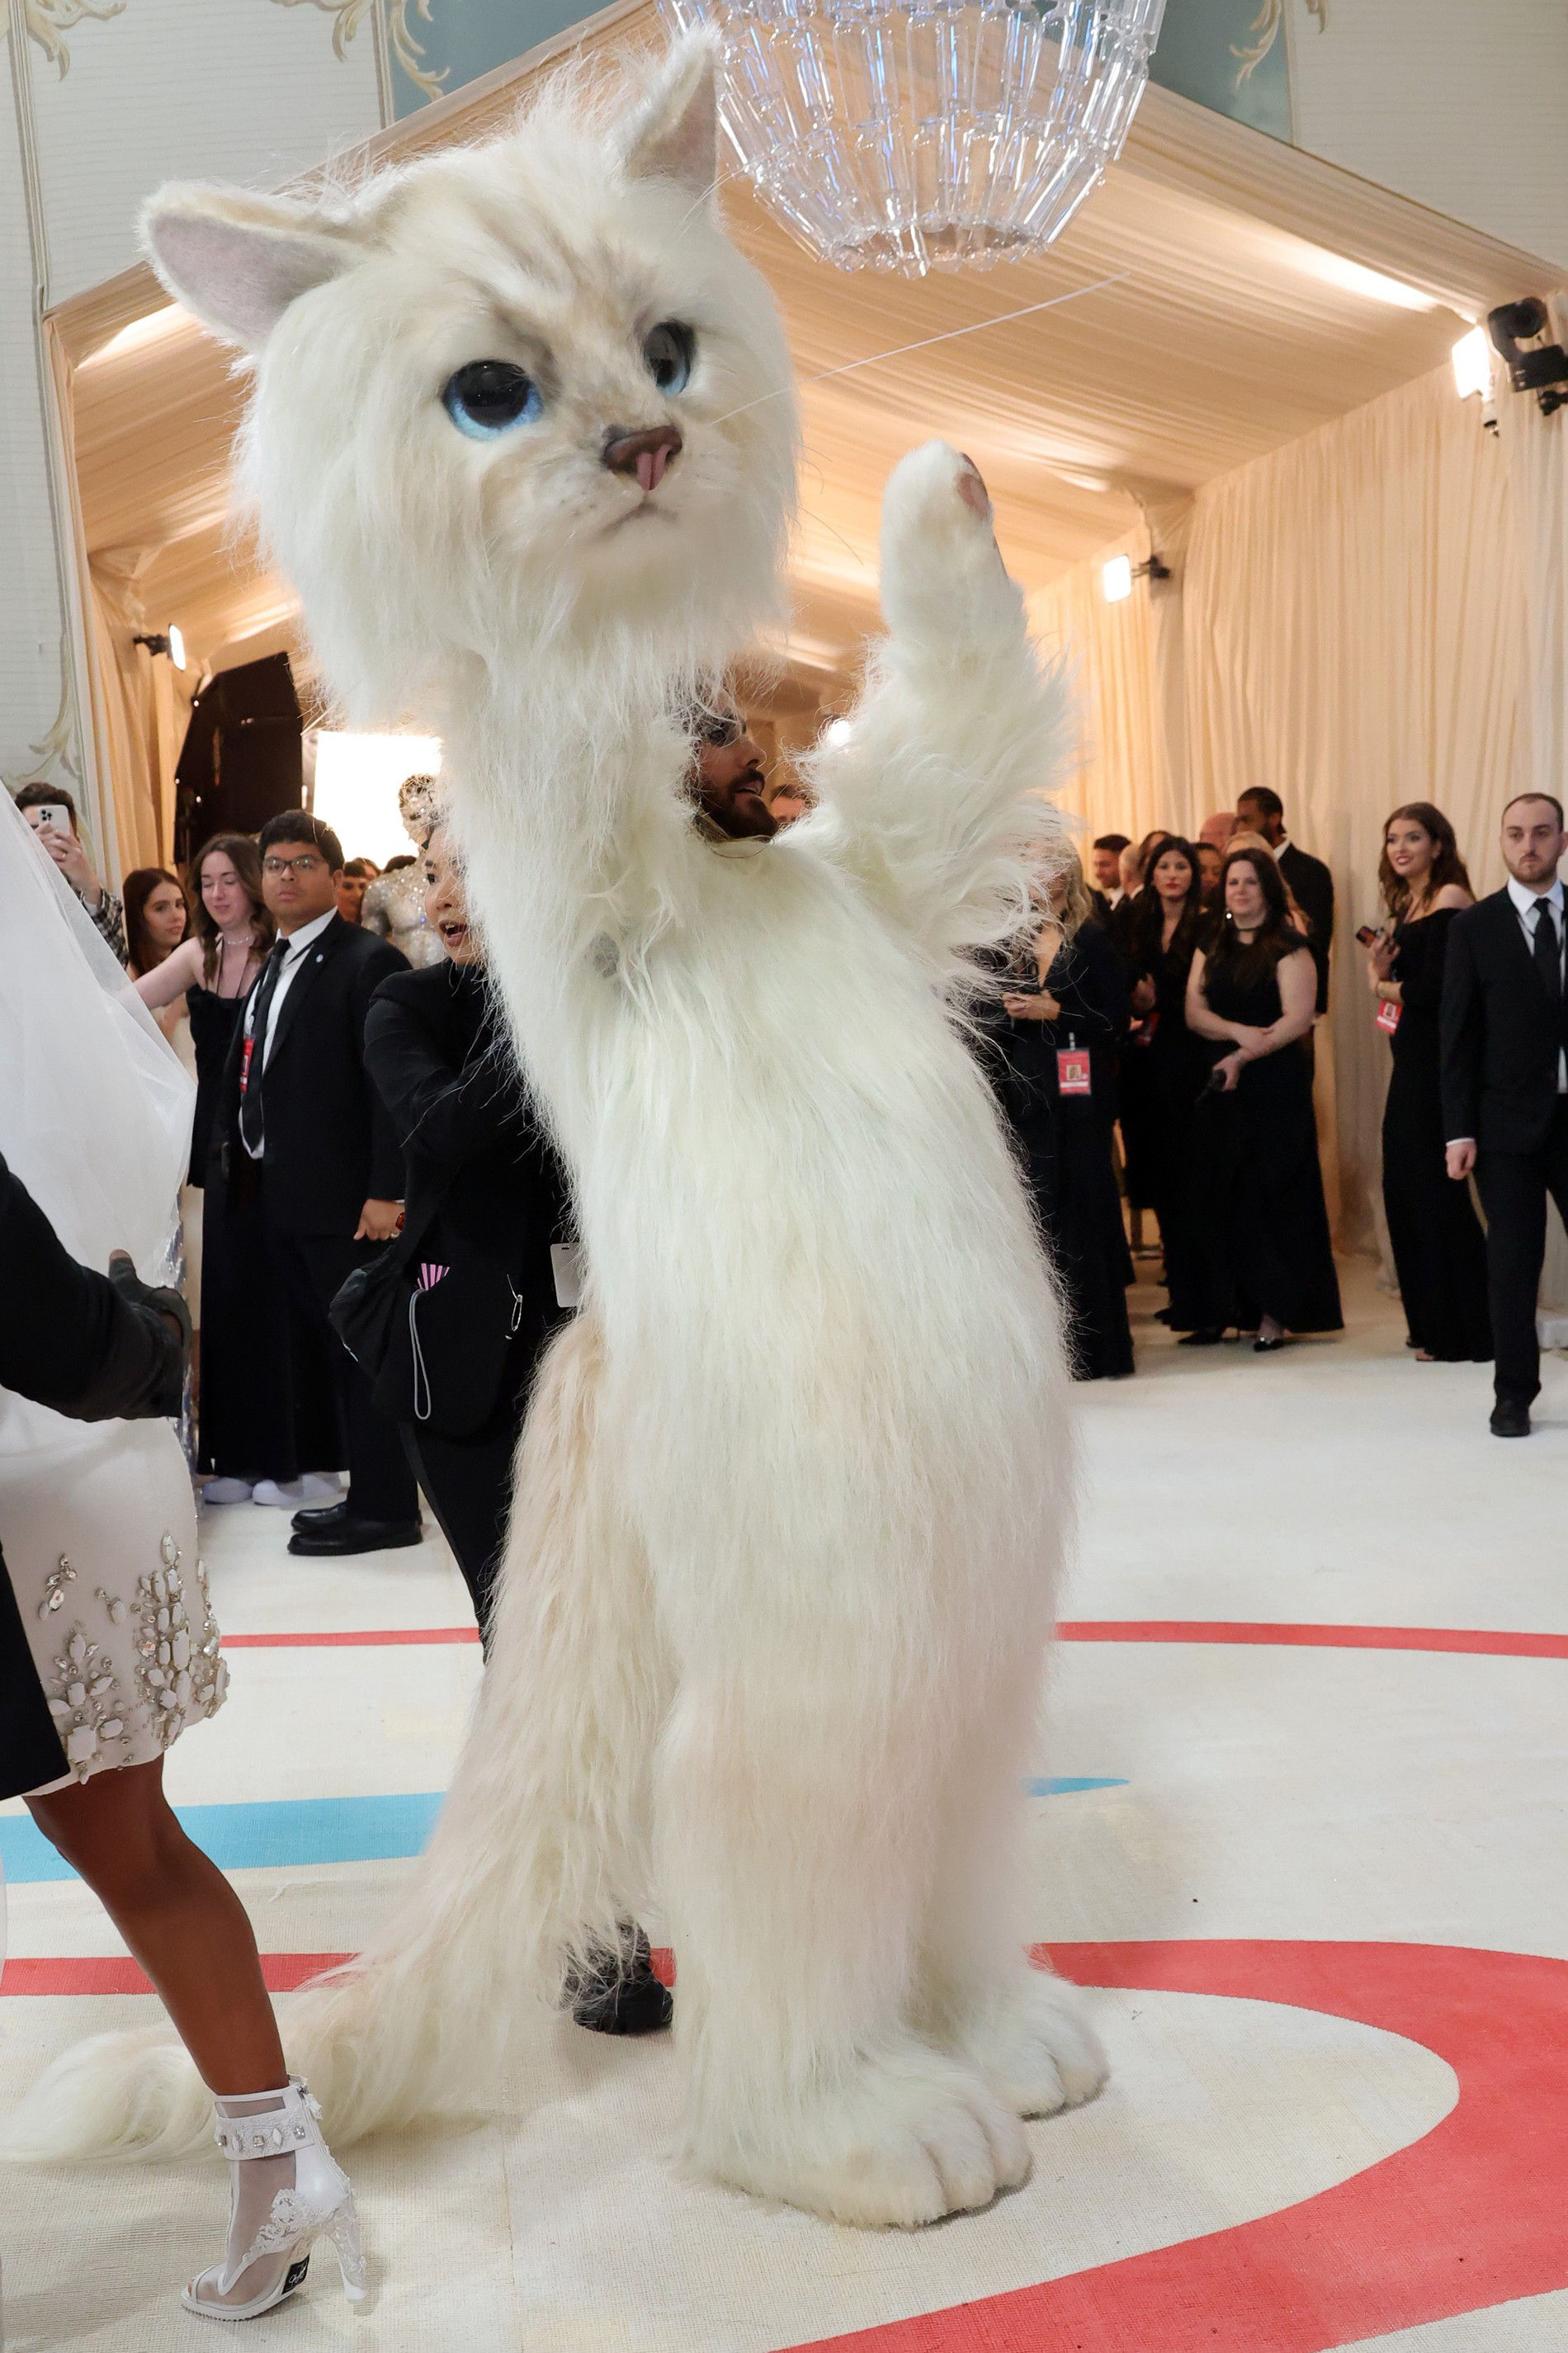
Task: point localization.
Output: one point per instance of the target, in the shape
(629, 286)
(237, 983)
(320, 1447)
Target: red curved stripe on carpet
(1481, 1643)
(1472, 2215)
(117, 1973)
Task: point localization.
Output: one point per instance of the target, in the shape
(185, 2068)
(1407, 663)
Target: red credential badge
(1072, 1071)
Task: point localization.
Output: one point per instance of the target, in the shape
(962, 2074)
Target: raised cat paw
(943, 575)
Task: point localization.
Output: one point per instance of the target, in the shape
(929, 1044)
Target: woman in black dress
(1171, 917)
(244, 1433)
(1439, 1250)
(1064, 1015)
(1264, 1261)
(1133, 1083)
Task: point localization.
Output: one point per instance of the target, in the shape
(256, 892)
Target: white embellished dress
(100, 1545)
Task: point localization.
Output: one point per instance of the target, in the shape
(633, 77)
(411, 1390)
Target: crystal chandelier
(928, 134)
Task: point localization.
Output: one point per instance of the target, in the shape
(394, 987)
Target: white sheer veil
(95, 1107)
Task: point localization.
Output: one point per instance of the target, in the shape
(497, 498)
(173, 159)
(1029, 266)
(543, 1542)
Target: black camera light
(1543, 369)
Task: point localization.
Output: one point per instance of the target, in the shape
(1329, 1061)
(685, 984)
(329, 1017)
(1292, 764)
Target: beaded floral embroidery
(87, 1714)
(179, 1670)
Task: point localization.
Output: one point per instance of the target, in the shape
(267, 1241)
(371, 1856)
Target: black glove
(137, 1293)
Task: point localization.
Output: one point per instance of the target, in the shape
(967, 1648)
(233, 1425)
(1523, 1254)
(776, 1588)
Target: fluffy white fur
(793, 1493)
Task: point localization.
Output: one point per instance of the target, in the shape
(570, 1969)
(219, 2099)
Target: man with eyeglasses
(304, 1124)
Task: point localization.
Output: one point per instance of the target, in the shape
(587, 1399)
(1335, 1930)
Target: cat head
(521, 396)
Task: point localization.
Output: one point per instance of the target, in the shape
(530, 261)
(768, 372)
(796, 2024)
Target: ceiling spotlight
(173, 644)
(1543, 369)
(1473, 364)
(1115, 578)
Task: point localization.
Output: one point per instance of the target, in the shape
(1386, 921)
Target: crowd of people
(386, 1236)
(1154, 1048)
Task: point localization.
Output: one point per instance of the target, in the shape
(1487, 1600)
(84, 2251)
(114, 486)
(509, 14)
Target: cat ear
(239, 261)
(673, 134)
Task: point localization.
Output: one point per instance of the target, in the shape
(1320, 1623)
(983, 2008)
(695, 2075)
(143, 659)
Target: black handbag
(443, 1359)
(367, 1306)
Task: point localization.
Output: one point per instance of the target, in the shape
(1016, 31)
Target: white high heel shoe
(286, 2191)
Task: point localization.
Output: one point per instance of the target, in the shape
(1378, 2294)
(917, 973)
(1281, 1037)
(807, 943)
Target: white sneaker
(322, 1486)
(227, 1491)
(283, 1494)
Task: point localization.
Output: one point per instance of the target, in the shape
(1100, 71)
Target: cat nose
(646, 455)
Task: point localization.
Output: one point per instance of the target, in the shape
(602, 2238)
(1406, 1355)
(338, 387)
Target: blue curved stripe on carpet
(281, 1833)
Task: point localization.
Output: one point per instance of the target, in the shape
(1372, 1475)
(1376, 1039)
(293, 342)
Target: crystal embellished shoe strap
(280, 2131)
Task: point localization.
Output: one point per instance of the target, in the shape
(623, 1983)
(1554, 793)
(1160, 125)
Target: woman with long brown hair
(1265, 1262)
(242, 1435)
(1170, 918)
(1439, 1250)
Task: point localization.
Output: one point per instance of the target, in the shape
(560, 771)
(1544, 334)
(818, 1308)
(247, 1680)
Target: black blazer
(89, 1347)
(485, 1193)
(1502, 1035)
(329, 1143)
(1313, 887)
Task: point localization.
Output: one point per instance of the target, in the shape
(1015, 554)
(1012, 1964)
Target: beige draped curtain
(138, 703)
(1352, 624)
(138, 727)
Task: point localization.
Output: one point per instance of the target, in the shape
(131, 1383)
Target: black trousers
(1513, 1186)
(468, 1485)
(308, 1268)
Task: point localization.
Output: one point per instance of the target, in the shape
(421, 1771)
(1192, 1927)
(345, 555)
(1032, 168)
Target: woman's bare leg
(178, 1915)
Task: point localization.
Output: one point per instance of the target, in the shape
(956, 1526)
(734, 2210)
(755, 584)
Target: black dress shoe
(619, 1993)
(347, 1535)
(1509, 1420)
(322, 1516)
(1261, 1348)
(1200, 1340)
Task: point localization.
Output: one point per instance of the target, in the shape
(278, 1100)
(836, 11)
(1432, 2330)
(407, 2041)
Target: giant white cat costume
(794, 1488)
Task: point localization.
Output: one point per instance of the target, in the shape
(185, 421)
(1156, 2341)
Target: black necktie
(1548, 951)
(251, 1128)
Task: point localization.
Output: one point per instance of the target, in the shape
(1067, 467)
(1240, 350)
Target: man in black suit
(1105, 865)
(1308, 879)
(1505, 1083)
(301, 1121)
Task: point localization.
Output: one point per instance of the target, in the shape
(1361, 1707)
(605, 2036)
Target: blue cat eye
(670, 349)
(489, 397)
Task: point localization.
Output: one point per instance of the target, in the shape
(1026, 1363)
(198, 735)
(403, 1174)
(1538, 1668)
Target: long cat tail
(539, 1852)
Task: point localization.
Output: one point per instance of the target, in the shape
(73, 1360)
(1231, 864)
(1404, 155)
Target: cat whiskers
(948, 335)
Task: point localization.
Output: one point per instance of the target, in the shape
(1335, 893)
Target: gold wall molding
(48, 22)
(1265, 28)
(348, 16)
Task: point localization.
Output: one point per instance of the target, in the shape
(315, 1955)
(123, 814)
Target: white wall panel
(1463, 107)
(239, 90)
(29, 593)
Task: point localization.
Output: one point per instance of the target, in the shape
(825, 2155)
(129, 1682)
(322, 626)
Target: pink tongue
(646, 463)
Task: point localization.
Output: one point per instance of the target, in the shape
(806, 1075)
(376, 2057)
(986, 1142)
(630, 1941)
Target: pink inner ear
(681, 145)
(238, 276)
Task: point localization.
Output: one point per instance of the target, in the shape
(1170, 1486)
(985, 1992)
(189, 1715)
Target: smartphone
(1367, 936)
(49, 813)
